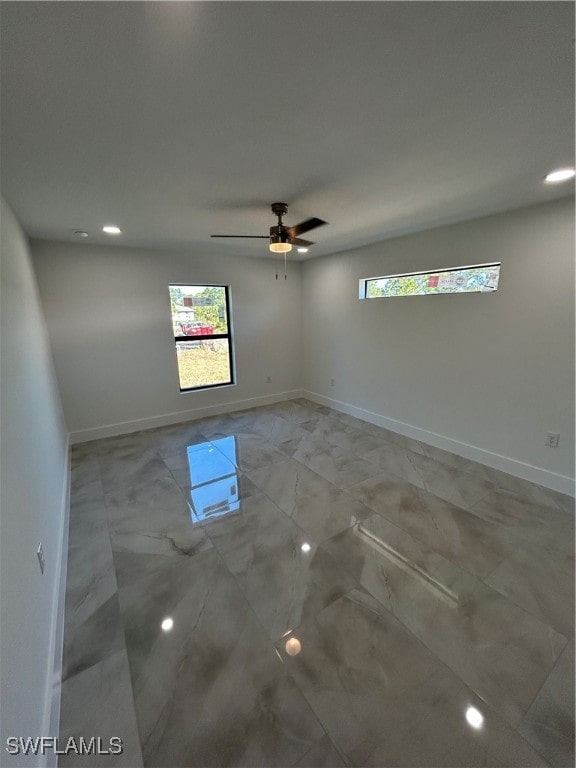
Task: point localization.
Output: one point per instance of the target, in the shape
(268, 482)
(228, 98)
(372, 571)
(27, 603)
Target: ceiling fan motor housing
(279, 234)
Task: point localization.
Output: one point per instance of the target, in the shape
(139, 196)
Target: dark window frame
(208, 337)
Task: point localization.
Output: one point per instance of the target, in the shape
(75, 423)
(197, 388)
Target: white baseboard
(537, 475)
(125, 427)
(54, 687)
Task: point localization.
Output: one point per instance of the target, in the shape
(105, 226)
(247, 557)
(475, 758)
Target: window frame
(363, 282)
(205, 337)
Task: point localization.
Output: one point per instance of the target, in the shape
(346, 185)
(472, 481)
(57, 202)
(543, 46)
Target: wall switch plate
(41, 560)
(552, 439)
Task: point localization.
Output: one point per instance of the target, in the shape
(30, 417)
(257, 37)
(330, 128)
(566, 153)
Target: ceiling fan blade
(267, 237)
(304, 226)
(299, 241)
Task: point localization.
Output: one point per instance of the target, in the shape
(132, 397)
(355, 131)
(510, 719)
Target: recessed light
(167, 624)
(305, 547)
(560, 174)
(110, 229)
(80, 233)
(302, 250)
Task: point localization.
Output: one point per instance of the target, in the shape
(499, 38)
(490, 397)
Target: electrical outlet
(552, 439)
(40, 554)
(268, 379)
(332, 382)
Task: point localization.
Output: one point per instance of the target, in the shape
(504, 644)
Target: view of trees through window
(200, 321)
(481, 278)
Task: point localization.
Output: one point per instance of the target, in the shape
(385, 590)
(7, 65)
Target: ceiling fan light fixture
(282, 238)
(279, 243)
(280, 247)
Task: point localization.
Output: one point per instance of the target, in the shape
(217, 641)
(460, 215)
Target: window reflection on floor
(213, 479)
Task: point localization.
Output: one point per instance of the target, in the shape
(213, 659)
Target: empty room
(287, 384)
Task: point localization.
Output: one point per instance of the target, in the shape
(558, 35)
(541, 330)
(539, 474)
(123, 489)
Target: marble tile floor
(291, 586)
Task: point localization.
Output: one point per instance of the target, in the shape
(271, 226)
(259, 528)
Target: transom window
(202, 335)
(479, 278)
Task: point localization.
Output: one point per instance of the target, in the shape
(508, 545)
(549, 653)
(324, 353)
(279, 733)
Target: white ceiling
(179, 120)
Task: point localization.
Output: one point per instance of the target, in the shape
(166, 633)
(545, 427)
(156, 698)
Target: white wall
(493, 372)
(108, 313)
(34, 472)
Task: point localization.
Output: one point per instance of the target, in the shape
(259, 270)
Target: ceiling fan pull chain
(284, 265)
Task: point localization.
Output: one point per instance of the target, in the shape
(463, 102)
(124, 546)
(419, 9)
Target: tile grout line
(553, 667)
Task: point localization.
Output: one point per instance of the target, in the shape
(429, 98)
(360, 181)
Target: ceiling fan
(282, 238)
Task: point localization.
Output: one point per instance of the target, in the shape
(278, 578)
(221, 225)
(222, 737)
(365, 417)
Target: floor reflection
(411, 568)
(213, 479)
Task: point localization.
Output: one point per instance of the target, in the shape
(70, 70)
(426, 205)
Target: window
(201, 325)
(475, 279)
